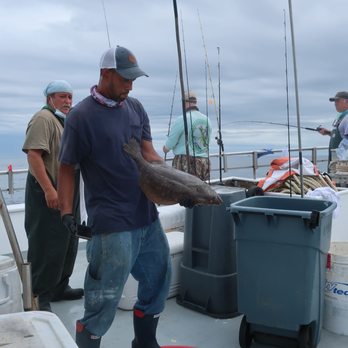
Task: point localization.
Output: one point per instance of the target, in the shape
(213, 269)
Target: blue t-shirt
(93, 137)
(199, 133)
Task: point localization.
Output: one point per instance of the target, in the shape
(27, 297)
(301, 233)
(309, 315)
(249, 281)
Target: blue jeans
(144, 253)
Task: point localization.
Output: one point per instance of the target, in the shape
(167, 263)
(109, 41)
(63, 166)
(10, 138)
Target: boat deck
(177, 326)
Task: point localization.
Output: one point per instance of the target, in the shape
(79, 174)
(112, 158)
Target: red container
(178, 347)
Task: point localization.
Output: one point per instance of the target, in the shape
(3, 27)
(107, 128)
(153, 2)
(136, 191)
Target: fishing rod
(188, 90)
(206, 89)
(277, 124)
(171, 111)
(219, 137)
(208, 65)
(106, 23)
(287, 99)
(185, 60)
(181, 82)
(297, 98)
(207, 114)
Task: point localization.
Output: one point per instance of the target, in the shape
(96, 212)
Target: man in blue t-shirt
(127, 236)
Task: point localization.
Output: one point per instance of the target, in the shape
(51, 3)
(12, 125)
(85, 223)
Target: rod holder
(29, 301)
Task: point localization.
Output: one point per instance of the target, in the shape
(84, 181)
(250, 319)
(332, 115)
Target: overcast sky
(42, 40)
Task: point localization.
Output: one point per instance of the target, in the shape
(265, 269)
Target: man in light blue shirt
(199, 133)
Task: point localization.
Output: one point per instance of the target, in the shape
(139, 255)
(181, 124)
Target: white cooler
(34, 330)
(172, 217)
(176, 245)
(10, 286)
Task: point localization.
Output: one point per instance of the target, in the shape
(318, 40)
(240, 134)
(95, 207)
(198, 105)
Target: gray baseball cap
(123, 60)
(339, 95)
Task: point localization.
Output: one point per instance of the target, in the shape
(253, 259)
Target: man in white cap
(127, 236)
(199, 133)
(339, 127)
(51, 247)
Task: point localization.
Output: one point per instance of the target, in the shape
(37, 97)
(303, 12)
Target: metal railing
(257, 164)
(24, 268)
(11, 185)
(251, 164)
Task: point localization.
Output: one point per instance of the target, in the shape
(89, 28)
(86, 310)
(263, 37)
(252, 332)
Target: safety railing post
(23, 267)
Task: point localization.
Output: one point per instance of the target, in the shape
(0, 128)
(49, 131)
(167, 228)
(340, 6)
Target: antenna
(106, 23)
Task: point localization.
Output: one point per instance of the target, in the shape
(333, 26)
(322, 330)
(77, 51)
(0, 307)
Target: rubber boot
(144, 330)
(84, 339)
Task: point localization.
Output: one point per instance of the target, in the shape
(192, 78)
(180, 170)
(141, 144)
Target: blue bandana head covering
(57, 86)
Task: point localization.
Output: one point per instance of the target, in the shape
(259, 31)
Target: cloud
(43, 40)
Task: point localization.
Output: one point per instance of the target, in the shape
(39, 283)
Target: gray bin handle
(312, 216)
(305, 214)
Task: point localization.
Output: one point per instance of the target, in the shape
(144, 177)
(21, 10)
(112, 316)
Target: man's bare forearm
(66, 188)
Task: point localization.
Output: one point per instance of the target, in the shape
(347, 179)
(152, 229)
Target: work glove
(83, 231)
(77, 230)
(187, 203)
(254, 191)
(70, 223)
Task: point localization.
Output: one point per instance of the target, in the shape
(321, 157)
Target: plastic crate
(208, 268)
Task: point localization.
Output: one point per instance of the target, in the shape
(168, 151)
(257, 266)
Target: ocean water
(236, 137)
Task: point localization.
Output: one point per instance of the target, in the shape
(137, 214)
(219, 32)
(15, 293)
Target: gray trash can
(281, 247)
(208, 279)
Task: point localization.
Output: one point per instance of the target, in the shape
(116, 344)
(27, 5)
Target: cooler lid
(227, 190)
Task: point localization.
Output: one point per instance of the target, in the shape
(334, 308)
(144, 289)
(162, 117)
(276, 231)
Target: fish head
(205, 195)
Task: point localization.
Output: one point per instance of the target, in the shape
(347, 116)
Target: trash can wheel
(305, 337)
(245, 336)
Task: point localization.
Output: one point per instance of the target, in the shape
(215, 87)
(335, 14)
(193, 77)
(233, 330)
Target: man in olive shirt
(51, 247)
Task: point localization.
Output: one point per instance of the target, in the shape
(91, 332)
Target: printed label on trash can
(336, 289)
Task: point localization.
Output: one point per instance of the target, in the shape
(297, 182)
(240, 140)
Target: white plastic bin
(35, 330)
(336, 289)
(10, 286)
(176, 245)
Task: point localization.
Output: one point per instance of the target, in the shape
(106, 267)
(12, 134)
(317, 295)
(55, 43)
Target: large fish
(163, 184)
